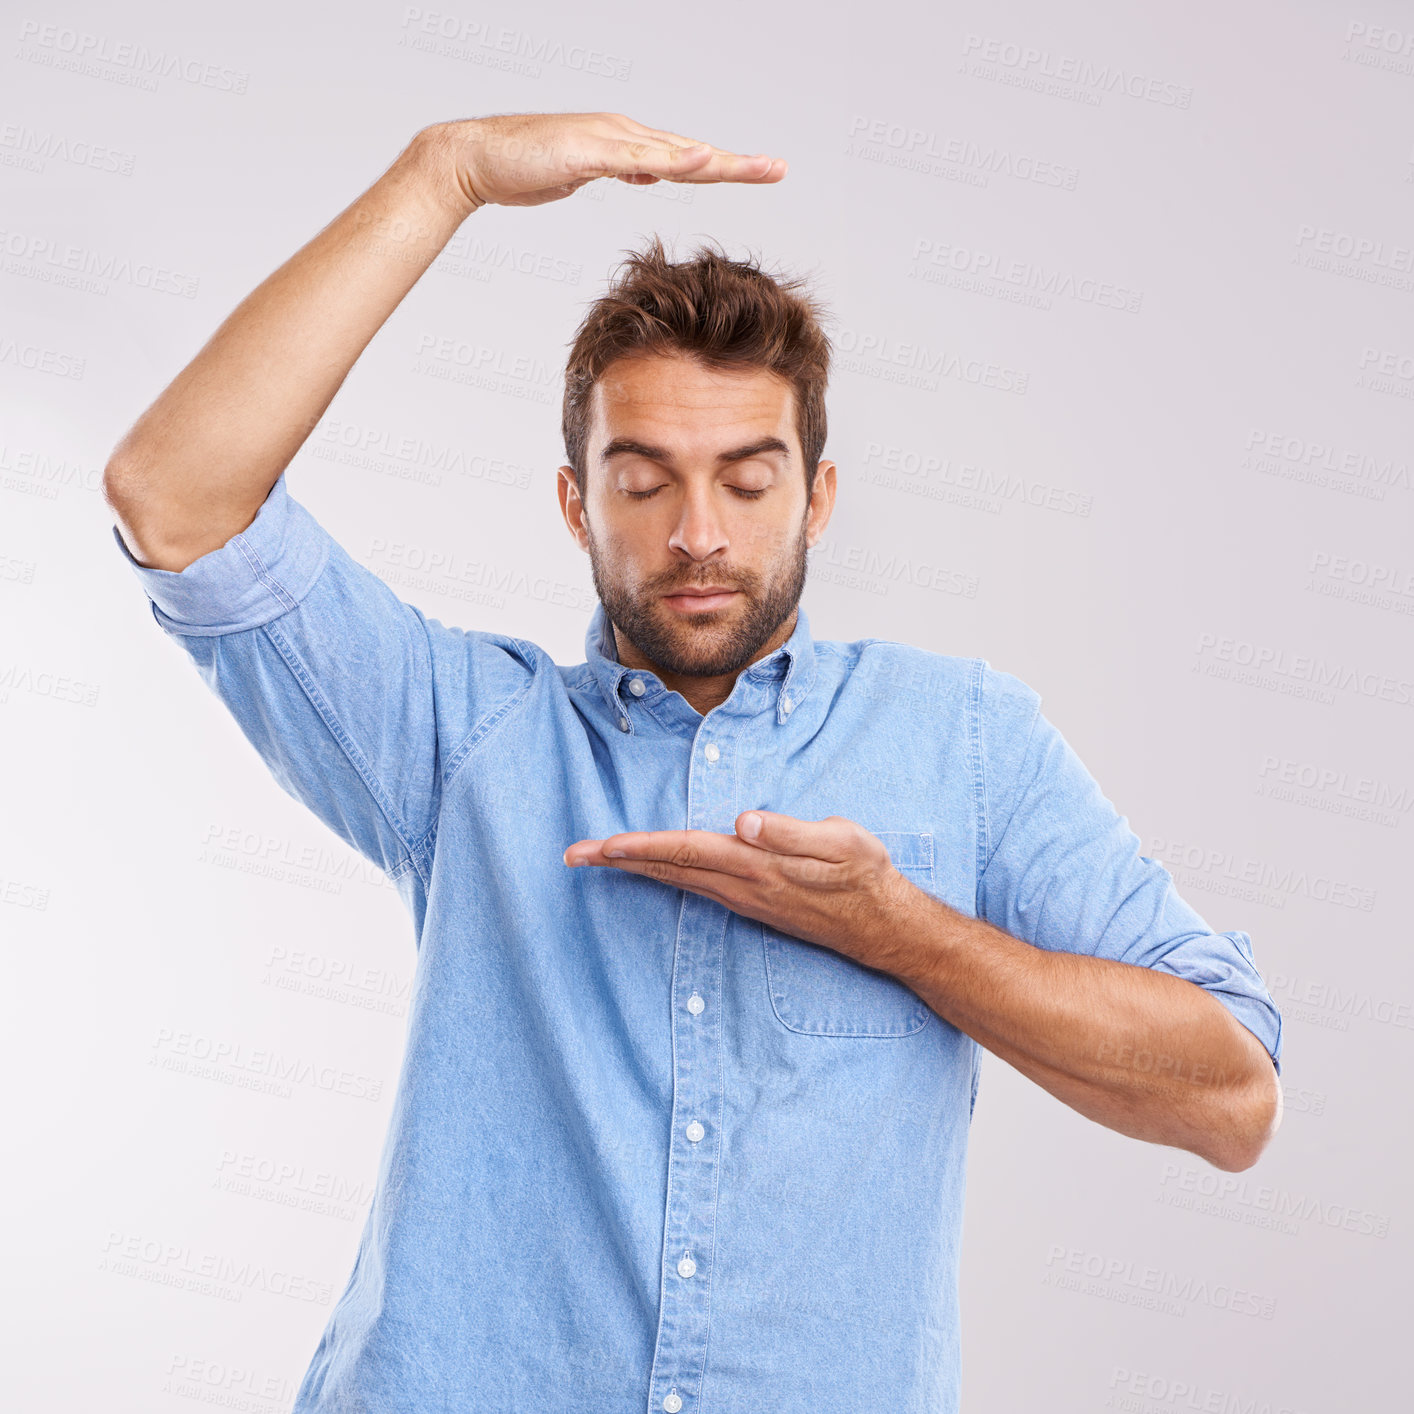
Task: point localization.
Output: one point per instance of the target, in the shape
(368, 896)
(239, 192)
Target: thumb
(833, 838)
(781, 834)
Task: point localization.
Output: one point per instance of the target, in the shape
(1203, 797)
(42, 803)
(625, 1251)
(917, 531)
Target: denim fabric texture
(645, 1153)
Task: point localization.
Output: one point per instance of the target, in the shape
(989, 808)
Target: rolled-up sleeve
(352, 697)
(1060, 868)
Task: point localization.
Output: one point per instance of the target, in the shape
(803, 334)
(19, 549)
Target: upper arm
(1060, 867)
(358, 704)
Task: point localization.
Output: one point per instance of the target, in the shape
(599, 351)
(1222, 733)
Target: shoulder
(449, 641)
(885, 665)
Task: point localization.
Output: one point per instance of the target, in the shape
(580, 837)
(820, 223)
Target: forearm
(1141, 1051)
(196, 466)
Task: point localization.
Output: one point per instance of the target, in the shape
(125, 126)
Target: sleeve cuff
(256, 576)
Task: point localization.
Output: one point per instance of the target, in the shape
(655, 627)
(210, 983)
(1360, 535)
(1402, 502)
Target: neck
(702, 693)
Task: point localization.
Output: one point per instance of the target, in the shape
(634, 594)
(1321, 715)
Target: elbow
(120, 478)
(1253, 1118)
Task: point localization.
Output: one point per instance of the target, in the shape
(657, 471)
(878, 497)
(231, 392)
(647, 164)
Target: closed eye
(740, 491)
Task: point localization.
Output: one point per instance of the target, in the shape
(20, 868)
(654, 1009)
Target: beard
(716, 643)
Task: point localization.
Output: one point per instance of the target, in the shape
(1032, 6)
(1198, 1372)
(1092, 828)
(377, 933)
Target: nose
(700, 531)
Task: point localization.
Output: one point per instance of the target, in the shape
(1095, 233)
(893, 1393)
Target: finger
(833, 839)
(774, 170)
(684, 849)
(584, 852)
(737, 167)
(725, 889)
(773, 173)
(664, 135)
(614, 157)
(674, 164)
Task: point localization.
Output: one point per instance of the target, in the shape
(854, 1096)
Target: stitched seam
(422, 855)
(257, 565)
(356, 758)
(1023, 785)
(485, 727)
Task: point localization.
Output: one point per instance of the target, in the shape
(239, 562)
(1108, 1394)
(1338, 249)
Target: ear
(822, 502)
(572, 507)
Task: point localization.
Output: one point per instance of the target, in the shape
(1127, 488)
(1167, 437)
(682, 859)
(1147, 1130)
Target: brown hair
(724, 313)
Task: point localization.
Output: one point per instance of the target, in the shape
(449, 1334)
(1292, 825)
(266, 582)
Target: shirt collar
(779, 681)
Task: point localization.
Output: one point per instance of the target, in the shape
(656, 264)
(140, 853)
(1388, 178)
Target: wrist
(432, 155)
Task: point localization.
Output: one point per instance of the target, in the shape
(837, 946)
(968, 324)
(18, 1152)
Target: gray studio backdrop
(1124, 309)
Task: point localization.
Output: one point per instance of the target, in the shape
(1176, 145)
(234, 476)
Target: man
(711, 928)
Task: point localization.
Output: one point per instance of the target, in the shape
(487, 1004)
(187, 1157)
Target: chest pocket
(820, 992)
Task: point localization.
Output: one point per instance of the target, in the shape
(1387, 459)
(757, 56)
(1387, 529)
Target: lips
(699, 601)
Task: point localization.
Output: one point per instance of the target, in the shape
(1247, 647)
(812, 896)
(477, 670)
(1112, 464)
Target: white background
(1206, 470)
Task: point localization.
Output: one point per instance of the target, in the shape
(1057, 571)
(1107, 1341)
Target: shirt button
(623, 724)
(695, 1004)
(635, 686)
(786, 704)
(712, 753)
(695, 1131)
(686, 1267)
(672, 1404)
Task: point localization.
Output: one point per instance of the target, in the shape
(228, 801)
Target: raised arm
(197, 465)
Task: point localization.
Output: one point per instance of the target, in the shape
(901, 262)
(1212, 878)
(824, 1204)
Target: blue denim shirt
(646, 1153)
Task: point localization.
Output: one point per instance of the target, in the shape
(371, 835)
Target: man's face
(694, 480)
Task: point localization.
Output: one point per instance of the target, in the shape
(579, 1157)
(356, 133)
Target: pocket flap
(909, 849)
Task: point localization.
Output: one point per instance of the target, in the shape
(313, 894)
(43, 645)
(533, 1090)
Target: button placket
(694, 1150)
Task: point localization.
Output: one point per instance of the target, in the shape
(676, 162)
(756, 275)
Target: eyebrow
(626, 446)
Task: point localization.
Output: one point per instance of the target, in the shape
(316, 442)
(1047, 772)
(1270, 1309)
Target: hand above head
(527, 159)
